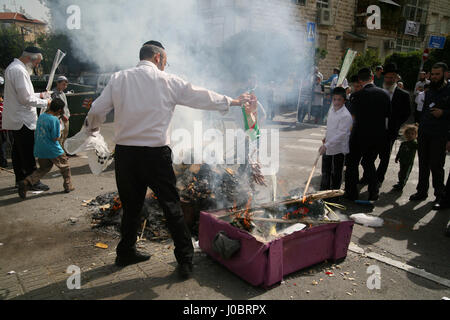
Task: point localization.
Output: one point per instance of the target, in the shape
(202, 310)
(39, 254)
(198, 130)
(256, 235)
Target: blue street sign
(310, 32)
(436, 42)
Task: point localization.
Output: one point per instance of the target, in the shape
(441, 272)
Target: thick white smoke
(112, 32)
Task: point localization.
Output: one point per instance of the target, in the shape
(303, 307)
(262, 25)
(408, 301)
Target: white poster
(412, 28)
(348, 60)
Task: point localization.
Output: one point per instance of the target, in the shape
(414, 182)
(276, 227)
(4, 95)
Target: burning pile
(201, 187)
(213, 187)
(272, 220)
(107, 214)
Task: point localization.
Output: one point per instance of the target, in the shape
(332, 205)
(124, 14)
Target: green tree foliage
(368, 59)
(408, 64)
(50, 43)
(321, 54)
(439, 55)
(11, 45)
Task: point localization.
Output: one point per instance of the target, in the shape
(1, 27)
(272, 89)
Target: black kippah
(32, 50)
(340, 92)
(154, 43)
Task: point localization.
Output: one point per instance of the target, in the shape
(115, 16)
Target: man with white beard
(20, 114)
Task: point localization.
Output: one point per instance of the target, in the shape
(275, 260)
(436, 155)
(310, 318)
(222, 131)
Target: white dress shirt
(420, 99)
(20, 100)
(334, 83)
(144, 100)
(339, 124)
(318, 95)
(420, 83)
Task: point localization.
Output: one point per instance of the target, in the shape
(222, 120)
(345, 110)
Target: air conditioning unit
(390, 44)
(325, 17)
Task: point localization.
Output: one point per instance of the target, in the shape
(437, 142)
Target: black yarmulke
(32, 50)
(154, 43)
(340, 91)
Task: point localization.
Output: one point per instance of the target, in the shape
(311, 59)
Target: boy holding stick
(336, 143)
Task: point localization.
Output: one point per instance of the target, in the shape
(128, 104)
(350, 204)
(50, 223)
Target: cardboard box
(265, 264)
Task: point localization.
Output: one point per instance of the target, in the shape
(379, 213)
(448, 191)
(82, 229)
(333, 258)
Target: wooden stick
(312, 197)
(9, 171)
(292, 221)
(143, 228)
(311, 175)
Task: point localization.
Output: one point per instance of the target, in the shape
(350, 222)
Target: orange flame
(117, 204)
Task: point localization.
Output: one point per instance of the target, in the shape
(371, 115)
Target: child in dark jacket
(406, 155)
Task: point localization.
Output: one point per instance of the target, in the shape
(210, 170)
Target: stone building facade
(340, 24)
(29, 28)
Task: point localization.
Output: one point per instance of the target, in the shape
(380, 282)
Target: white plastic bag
(366, 220)
(99, 156)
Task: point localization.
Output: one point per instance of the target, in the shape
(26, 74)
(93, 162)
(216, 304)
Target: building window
(323, 41)
(434, 23)
(445, 26)
(416, 10)
(323, 3)
(299, 2)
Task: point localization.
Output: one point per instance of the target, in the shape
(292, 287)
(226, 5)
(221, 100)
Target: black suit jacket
(370, 107)
(401, 110)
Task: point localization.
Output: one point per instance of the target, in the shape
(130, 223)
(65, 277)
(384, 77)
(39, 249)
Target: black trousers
(385, 156)
(432, 152)
(332, 167)
(136, 169)
(22, 153)
(366, 154)
(446, 198)
(417, 116)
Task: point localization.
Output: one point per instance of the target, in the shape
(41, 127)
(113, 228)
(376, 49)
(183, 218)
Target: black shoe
(374, 197)
(350, 197)
(185, 270)
(126, 260)
(40, 187)
(418, 197)
(22, 189)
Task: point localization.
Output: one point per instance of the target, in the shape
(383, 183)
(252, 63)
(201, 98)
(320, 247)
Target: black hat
(154, 43)
(32, 50)
(390, 67)
(340, 92)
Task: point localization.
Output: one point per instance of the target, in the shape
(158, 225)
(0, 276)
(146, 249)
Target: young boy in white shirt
(420, 99)
(336, 143)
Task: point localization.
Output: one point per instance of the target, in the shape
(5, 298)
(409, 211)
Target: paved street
(38, 242)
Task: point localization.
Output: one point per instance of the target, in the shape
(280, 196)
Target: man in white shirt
(336, 142)
(333, 85)
(317, 100)
(144, 100)
(58, 92)
(20, 114)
